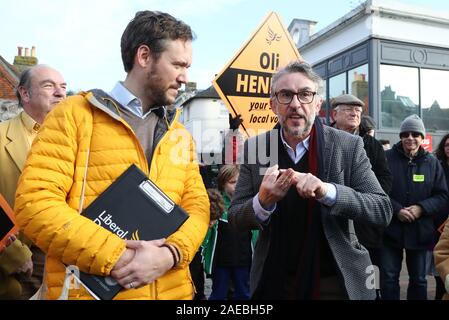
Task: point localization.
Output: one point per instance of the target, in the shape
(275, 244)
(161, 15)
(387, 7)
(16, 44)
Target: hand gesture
(275, 185)
(309, 186)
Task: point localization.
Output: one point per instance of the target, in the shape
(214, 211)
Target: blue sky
(82, 38)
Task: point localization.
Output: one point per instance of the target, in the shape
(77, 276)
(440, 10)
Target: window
(337, 85)
(358, 84)
(399, 93)
(435, 99)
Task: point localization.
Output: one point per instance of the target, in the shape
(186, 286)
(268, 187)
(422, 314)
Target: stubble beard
(298, 132)
(156, 93)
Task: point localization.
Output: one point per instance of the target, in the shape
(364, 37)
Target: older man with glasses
(419, 192)
(317, 183)
(347, 113)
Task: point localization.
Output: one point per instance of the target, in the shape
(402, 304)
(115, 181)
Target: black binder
(134, 208)
(7, 222)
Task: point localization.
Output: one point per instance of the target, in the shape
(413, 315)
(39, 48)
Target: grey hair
(24, 81)
(297, 66)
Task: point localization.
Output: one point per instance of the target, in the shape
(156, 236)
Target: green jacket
(210, 241)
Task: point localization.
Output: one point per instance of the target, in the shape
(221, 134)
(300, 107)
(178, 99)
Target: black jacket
(371, 236)
(419, 180)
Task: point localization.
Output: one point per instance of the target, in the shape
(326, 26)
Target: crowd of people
(324, 208)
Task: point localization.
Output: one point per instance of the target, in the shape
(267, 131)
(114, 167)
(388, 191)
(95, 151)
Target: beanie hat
(367, 123)
(413, 123)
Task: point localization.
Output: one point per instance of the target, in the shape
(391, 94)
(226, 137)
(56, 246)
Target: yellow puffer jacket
(49, 193)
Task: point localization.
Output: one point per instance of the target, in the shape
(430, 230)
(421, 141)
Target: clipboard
(134, 208)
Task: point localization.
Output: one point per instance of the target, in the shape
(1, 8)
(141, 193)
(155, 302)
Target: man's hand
(309, 186)
(8, 242)
(404, 215)
(415, 210)
(149, 263)
(26, 268)
(275, 185)
(125, 258)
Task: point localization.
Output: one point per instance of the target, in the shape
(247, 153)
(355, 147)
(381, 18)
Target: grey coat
(359, 198)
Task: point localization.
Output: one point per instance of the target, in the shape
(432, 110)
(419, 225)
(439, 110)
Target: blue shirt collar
(128, 100)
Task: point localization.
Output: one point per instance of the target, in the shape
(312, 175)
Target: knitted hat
(367, 123)
(347, 99)
(413, 123)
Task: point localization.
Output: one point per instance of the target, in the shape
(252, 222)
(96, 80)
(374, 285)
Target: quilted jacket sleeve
(41, 198)
(196, 202)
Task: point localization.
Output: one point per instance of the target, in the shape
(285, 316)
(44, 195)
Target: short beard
(300, 133)
(156, 93)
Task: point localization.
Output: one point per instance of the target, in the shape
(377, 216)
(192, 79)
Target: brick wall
(6, 89)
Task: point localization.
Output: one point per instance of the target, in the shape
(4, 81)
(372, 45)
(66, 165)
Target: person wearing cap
(347, 111)
(419, 192)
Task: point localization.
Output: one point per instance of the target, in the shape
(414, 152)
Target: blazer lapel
(17, 147)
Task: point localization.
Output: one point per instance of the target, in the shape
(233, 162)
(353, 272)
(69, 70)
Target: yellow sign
(244, 84)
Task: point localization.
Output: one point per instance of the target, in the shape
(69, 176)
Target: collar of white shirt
(301, 148)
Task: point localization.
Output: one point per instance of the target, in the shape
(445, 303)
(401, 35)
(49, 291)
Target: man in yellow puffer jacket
(89, 140)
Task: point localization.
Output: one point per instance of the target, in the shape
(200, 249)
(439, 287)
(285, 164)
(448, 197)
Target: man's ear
(143, 56)
(273, 106)
(24, 94)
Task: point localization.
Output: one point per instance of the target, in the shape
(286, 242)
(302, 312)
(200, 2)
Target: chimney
(25, 61)
(301, 30)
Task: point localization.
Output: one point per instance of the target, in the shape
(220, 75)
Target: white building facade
(206, 117)
(394, 57)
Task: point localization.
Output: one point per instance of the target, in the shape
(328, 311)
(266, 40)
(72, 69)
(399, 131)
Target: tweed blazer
(359, 198)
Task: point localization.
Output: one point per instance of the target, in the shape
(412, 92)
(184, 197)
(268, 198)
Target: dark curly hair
(439, 152)
(217, 206)
(151, 28)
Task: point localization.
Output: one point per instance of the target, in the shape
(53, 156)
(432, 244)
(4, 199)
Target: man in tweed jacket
(303, 184)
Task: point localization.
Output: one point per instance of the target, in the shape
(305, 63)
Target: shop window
(358, 85)
(399, 93)
(435, 99)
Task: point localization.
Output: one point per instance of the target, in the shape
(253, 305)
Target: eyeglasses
(286, 96)
(407, 134)
(348, 109)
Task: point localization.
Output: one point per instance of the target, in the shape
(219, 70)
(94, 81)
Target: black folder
(7, 223)
(134, 208)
